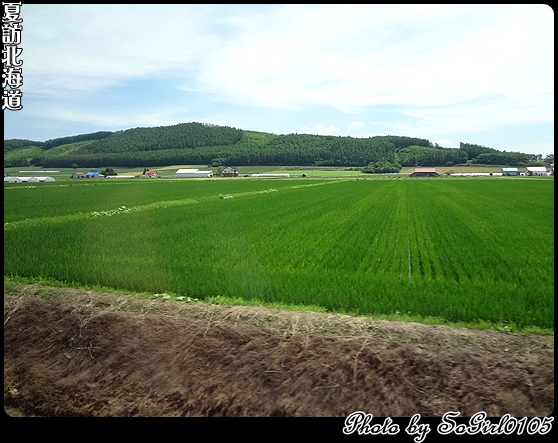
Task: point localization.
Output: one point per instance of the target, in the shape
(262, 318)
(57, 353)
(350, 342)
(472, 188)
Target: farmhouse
(536, 170)
(510, 171)
(77, 175)
(149, 173)
(193, 173)
(229, 172)
(424, 172)
(94, 174)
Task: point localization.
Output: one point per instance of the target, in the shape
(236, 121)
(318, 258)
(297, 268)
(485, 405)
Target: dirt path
(81, 353)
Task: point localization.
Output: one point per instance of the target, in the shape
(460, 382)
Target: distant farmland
(460, 250)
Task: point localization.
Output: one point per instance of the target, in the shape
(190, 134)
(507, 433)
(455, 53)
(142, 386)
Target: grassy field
(479, 250)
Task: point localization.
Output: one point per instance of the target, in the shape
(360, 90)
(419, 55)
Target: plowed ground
(81, 353)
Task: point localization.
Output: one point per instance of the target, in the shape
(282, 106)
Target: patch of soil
(81, 353)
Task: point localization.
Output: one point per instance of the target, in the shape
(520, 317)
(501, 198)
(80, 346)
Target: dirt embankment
(80, 353)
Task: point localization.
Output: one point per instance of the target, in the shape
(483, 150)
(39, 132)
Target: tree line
(199, 143)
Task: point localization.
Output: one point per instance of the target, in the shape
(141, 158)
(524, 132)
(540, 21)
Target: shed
(94, 174)
(192, 173)
(424, 172)
(77, 175)
(510, 171)
(536, 170)
(229, 172)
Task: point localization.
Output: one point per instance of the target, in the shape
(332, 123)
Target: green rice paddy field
(479, 250)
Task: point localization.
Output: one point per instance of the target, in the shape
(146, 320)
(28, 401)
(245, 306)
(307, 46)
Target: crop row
(463, 251)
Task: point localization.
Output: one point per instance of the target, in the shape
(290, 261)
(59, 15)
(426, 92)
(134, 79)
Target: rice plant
(478, 250)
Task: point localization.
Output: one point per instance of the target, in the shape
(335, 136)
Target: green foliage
(74, 139)
(205, 144)
(473, 150)
(13, 144)
(22, 156)
(426, 156)
(108, 171)
(503, 158)
(382, 167)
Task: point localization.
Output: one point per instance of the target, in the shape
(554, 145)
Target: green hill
(200, 143)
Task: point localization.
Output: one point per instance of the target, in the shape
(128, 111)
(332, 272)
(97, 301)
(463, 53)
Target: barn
(536, 170)
(193, 173)
(510, 171)
(149, 173)
(424, 172)
(229, 172)
(77, 175)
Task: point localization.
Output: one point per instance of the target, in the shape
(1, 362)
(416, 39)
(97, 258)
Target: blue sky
(479, 74)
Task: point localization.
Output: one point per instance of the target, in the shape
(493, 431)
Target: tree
(75, 166)
(108, 171)
(382, 167)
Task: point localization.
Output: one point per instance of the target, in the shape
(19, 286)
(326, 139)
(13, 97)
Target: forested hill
(199, 143)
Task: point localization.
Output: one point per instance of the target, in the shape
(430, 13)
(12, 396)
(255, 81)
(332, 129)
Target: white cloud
(447, 68)
(444, 142)
(356, 125)
(320, 130)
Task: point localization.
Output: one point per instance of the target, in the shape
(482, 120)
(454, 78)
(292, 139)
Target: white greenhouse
(191, 173)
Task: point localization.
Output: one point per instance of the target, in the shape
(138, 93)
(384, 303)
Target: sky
(481, 74)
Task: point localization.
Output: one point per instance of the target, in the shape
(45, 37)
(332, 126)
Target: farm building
(149, 173)
(94, 174)
(192, 173)
(77, 175)
(536, 170)
(229, 172)
(510, 171)
(424, 172)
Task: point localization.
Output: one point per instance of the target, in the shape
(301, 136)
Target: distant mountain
(200, 143)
